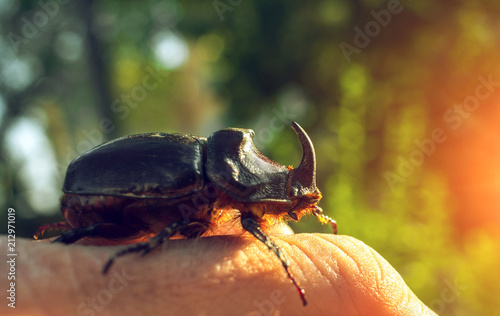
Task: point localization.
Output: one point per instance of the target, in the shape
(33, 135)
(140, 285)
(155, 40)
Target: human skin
(217, 275)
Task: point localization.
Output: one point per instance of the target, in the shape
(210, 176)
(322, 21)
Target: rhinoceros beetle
(177, 184)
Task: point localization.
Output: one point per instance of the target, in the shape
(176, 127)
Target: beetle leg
(149, 245)
(103, 230)
(77, 234)
(252, 226)
(130, 249)
(164, 235)
(325, 219)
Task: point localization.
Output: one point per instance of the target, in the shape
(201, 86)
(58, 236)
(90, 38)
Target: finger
(223, 275)
(350, 277)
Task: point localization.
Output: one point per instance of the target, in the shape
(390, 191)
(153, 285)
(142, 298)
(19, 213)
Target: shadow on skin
(218, 275)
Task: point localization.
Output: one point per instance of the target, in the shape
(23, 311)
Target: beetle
(163, 185)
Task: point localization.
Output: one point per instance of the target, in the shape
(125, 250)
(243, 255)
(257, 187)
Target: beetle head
(304, 176)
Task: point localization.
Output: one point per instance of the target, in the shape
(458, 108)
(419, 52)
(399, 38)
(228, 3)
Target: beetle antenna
(324, 219)
(252, 226)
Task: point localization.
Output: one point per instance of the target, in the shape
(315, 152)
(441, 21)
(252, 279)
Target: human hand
(218, 275)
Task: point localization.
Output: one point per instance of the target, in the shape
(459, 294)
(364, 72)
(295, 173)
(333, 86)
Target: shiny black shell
(168, 166)
(242, 171)
(145, 165)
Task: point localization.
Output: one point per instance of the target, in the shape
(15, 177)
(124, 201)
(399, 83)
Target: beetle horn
(304, 176)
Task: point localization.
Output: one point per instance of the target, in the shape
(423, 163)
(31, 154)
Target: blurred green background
(400, 98)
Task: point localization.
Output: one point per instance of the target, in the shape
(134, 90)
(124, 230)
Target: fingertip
(347, 271)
